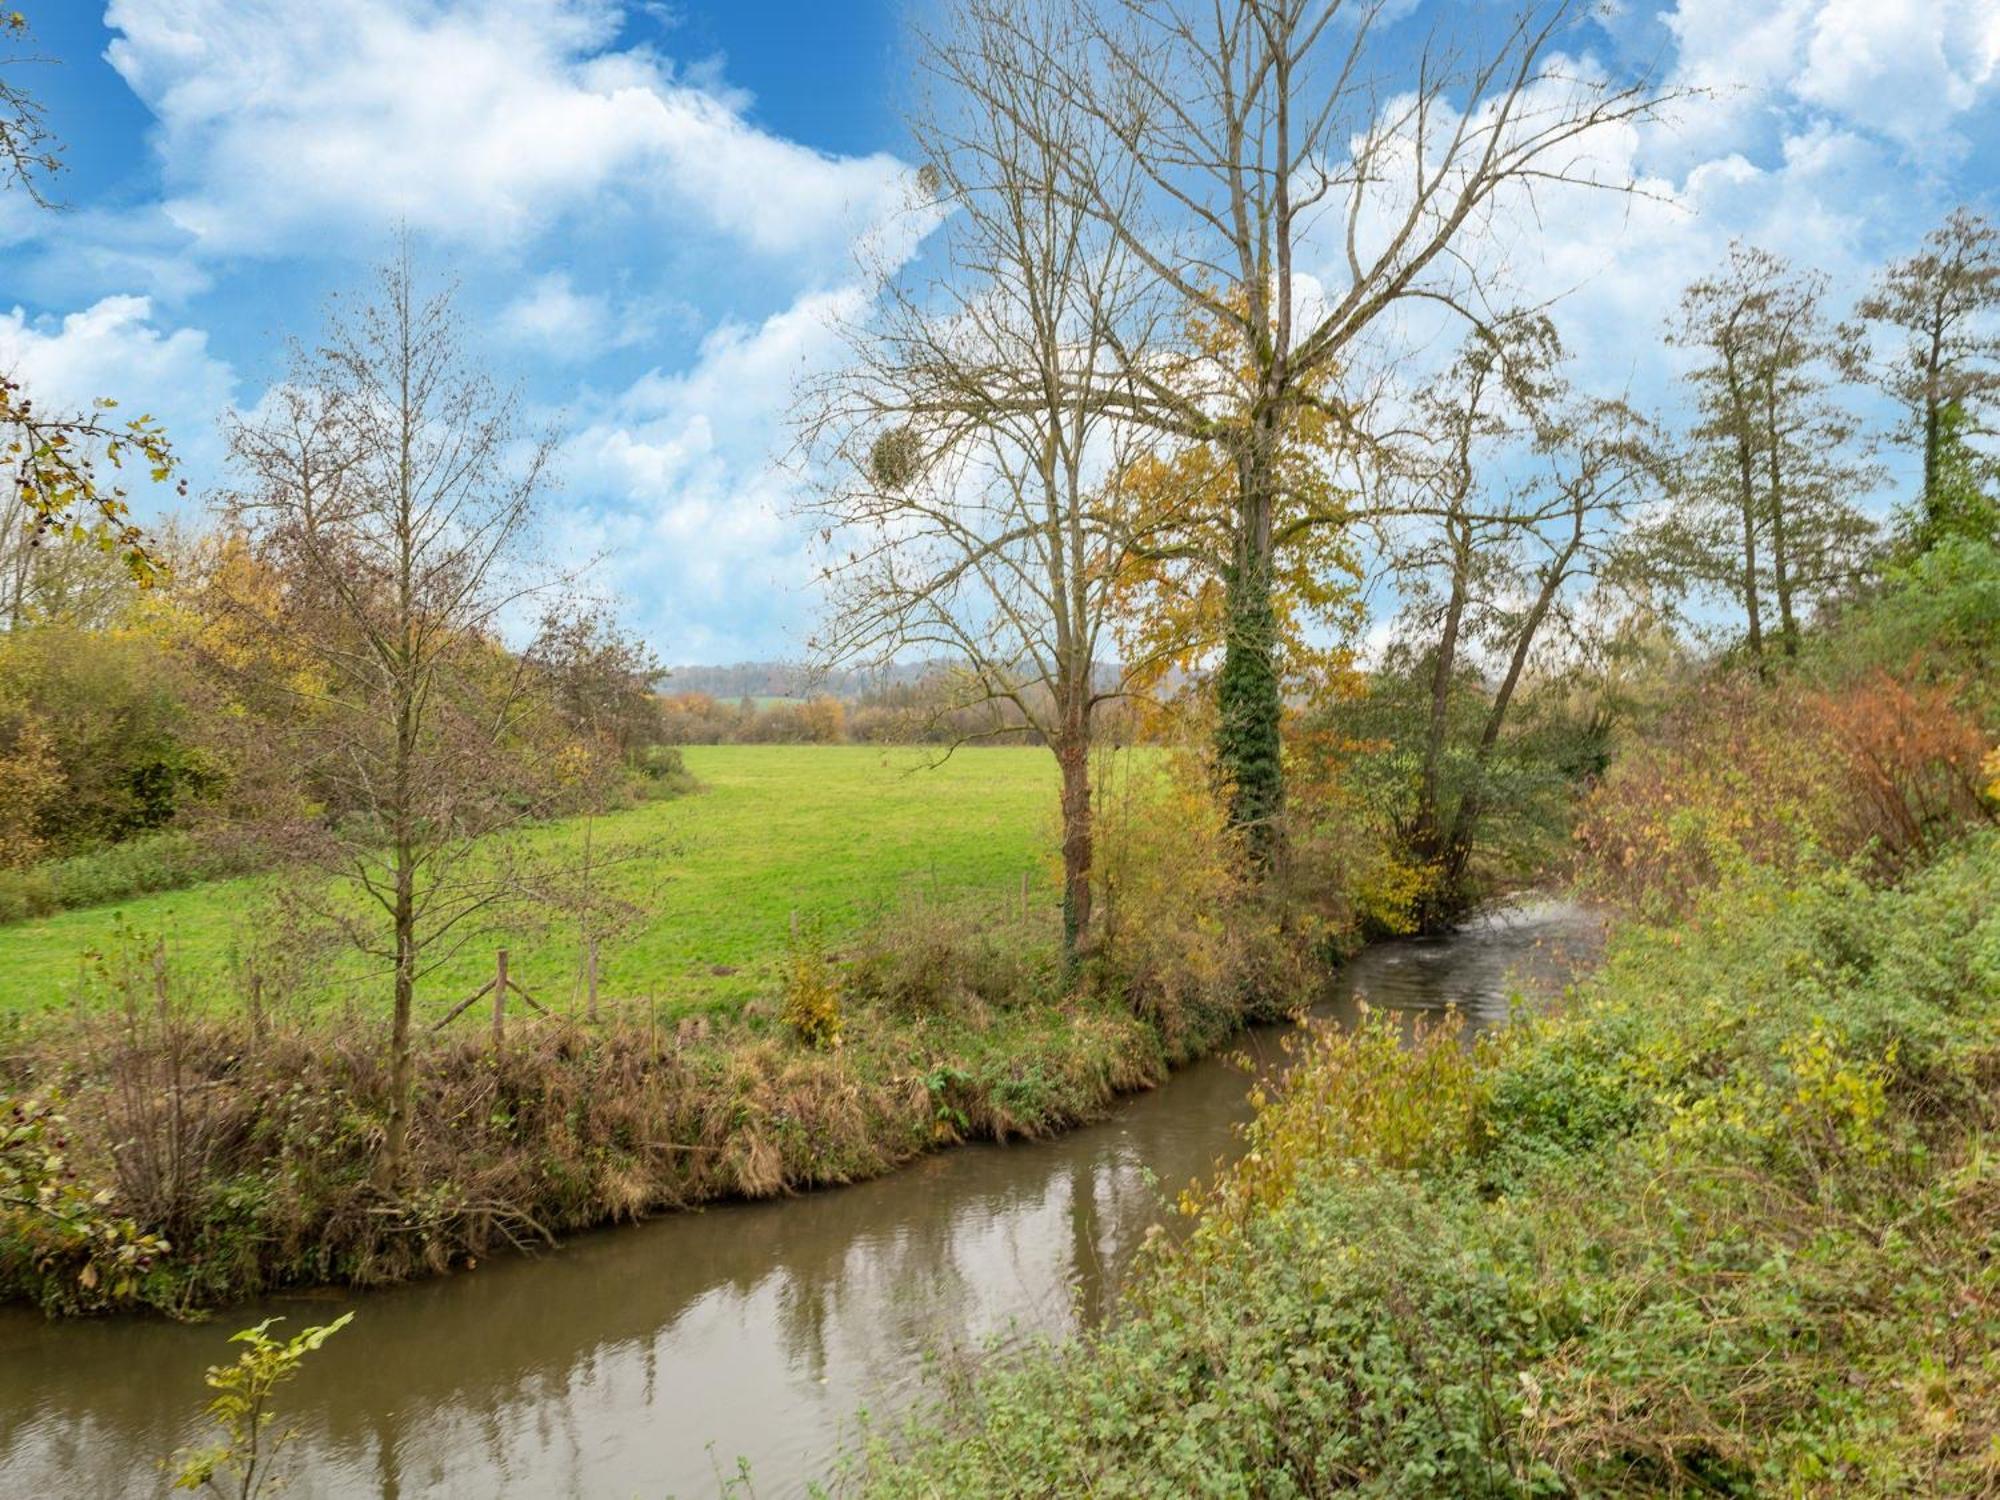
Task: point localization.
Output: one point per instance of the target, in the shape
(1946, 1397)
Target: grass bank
(841, 833)
(1728, 1224)
(160, 1150)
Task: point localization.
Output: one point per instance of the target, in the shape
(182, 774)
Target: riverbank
(1726, 1224)
(651, 1358)
(179, 1159)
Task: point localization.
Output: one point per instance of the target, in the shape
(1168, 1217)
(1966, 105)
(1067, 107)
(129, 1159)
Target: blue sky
(653, 209)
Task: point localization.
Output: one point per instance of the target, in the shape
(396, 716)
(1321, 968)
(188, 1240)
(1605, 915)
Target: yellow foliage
(812, 994)
(30, 778)
(1182, 508)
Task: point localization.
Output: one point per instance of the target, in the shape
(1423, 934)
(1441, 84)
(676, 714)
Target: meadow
(838, 833)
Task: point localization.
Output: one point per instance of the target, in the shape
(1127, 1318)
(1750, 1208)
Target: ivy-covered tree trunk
(1249, 698)
(1248, 746)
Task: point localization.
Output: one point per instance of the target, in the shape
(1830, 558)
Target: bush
(1789, 776)
(663, 773)
(811, 1005)
(1725, 1225)
(1186, 938)
(926, 962)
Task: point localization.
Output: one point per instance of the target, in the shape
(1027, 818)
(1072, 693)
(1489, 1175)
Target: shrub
(925, 961)
(168, 861)
(1185, 937)
(812, 992)
(1790, 777)
(663, 772)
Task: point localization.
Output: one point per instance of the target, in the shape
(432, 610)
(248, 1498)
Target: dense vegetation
(1723, 1225)
(1723, 1222)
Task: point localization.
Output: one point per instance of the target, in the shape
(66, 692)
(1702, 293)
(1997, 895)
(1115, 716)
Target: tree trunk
(1933, 440)
(1425, 839)
(1249, 703)
(395, 1138)
(1780, 562)
(1750, 606)
(1073, 754)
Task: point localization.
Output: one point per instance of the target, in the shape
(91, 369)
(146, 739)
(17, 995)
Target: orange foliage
(1784, 776)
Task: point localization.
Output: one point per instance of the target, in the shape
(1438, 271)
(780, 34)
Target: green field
(838, 833)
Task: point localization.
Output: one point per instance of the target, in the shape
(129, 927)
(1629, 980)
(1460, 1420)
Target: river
(645, 1361)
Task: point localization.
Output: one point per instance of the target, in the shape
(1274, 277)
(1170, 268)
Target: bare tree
(1944, 305)
(389, 491)
(1510, 502)
(973, 441)
(1774, 466)
(1301, 174)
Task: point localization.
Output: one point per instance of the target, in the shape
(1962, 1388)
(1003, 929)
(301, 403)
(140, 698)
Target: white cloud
(115, 348)
(1907, 70)
(474, 121)
(691, 490)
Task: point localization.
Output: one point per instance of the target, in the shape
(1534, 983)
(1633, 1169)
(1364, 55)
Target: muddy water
(646, 1361)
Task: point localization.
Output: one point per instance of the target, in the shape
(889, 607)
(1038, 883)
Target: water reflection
(641, 1361)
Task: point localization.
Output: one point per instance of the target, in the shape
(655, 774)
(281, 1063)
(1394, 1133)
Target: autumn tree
(1179, 501)
(1774, 467)
(1269, 138)
(970, 512)
(1941, 312)
(387, 489)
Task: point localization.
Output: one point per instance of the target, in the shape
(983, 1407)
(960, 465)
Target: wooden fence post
(590, 979)
(1024, 896)
(500, 1001)
(256, 1005)
(160, 977)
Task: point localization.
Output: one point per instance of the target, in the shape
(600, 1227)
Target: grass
(838, 833)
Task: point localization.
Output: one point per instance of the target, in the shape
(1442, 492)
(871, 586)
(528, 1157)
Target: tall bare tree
(1775, 467)
(973, 441)
(388, 489)
(1943, 305)
(1302, 173)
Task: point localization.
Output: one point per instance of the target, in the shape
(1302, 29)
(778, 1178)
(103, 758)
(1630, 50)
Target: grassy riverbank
(1729, 1223)
(167, 1150)
(840, 833)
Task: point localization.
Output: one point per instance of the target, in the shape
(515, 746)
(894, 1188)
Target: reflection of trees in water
(531, 1367)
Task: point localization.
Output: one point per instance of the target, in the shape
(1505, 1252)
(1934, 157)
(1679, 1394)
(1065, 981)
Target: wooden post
(256, 1004)
(795, 926)
(590, 979)
(1024, 897)
(500, 1001)
(160, 977)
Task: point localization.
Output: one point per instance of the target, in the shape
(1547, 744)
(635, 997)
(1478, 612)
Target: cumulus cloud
(1908, 70)
(504, 131)
(692, 490)
(473, 121)
(115, 348)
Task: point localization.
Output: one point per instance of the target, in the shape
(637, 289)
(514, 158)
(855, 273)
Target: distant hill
(783, 679)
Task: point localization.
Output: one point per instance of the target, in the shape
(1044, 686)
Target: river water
(645, 1361)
